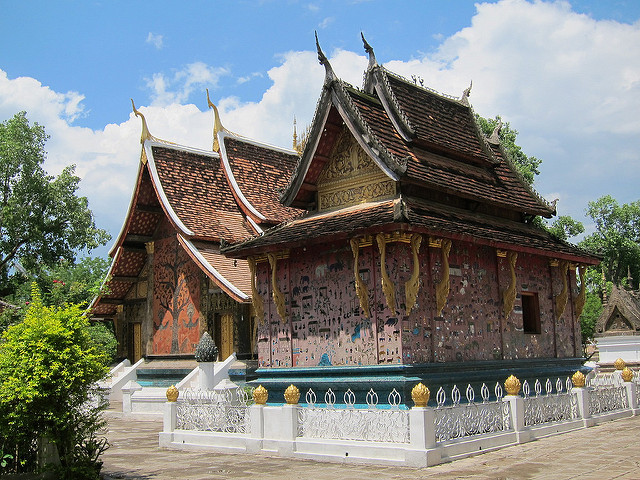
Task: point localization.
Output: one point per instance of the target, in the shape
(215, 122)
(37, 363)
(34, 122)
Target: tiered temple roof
(209, 197)
(446, 177)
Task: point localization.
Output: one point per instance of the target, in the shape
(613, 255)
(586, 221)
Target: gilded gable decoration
(442, 288)
(278, 297)
(582, 296)
(387, 287)
(351, 176)
(561, 299)
(361, 288)
(509, 295)
(412, 285)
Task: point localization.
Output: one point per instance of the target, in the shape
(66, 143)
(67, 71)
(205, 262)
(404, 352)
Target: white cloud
(249, 77)
(155, 39)
(326, 22)
(176, 88)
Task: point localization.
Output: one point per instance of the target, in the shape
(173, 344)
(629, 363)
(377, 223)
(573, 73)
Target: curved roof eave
(127, 219)
(253, 214)
(228, 287)
(319, 120)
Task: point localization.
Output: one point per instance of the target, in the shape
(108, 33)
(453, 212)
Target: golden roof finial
(295, 134)
(217, 124)
(145, 130)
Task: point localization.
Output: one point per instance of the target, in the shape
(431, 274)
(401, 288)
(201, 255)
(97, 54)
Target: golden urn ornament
(627, 374)
(172, 394)
(512, 385)
(292, 395)
(578, 379)
(420, 395)
(260, 395)
(619, 364)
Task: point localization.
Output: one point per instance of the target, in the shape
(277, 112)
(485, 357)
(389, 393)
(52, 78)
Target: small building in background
(617, 331)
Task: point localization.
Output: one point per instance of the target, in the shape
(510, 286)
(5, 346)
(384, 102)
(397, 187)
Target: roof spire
(495, 135)
(295, 134)
(145, 130)
(369, 49)
(217, 124)
(329, 75)
(465, 95)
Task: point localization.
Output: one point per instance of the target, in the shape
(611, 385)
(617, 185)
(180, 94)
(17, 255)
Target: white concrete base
(626, 347)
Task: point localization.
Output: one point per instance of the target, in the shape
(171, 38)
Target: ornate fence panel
(213, 411)
(605, 398)
(371, 424)
(456, 421)
(549, 407)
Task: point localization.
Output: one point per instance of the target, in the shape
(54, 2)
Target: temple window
(530, 312)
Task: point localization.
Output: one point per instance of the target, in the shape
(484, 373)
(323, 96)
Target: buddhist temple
(417, 256)
(168, 282)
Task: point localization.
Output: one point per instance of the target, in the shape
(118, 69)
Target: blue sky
(566, 75)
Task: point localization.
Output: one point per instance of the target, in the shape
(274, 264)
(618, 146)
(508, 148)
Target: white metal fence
(389, 432)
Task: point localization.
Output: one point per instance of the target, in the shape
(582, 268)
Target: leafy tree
(528, 166)
(65, 282)
(616, 237)
(42, 218)
(589, 317)
(49, 367)
(564, 227)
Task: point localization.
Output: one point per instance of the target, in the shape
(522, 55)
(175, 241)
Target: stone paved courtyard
(607, 451)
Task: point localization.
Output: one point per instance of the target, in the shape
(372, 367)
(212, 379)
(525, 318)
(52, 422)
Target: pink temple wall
(326, 326)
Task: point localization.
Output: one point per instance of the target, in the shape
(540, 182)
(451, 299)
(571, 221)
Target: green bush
(49, 367)
(105, 341)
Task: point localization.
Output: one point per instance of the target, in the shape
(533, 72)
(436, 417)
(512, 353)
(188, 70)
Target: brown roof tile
(197, 190)
(261, 173)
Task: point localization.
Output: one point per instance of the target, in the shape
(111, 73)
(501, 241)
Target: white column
(128, 390)
(170, 417)
(289, 430)
(632, 397)
(421, 428)
(256, 420)
(206, 375)
(584, 405)
(516, 408)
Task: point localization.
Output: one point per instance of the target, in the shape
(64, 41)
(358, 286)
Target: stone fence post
(584, 404)
(632, 397)
(170, 416)
(422, 432)
(256, 421)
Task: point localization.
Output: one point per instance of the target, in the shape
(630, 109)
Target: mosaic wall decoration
(469, 327)
(325, 324)
(176, 298)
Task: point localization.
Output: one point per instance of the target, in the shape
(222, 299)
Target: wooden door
(226, 335)
(137, 342)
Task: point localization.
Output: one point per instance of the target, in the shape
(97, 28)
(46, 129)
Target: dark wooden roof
(415, 215)
(418, 137)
